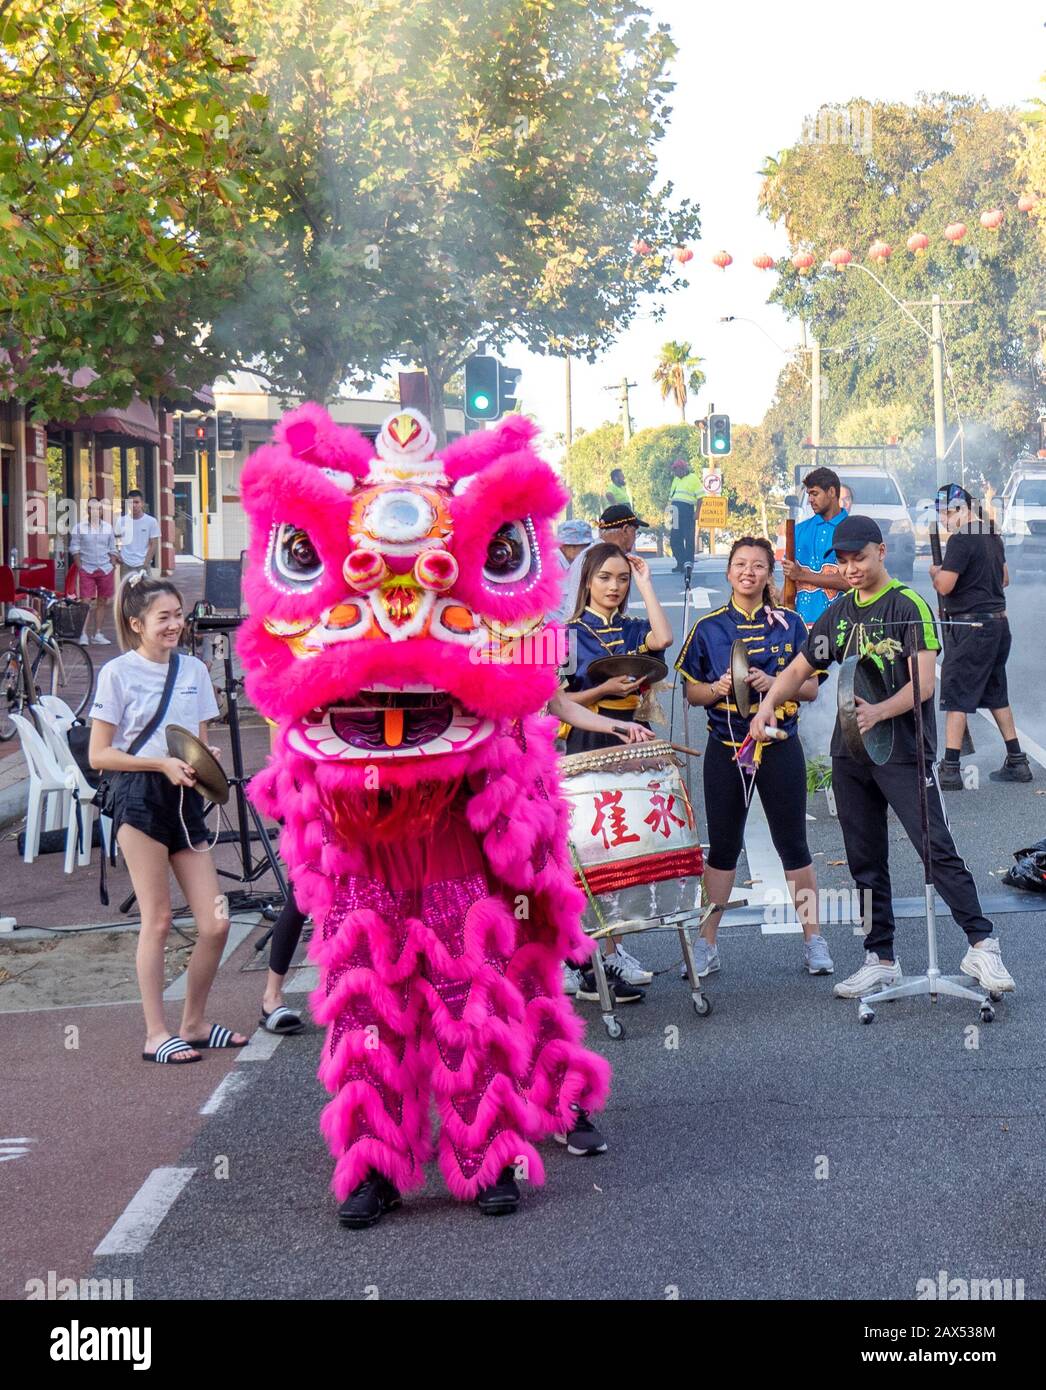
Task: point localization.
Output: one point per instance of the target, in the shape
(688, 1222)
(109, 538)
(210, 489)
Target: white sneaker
(706, 959)
(871, 974)
(100, 640)
(83, 639)
(571, 979)
(631, 971)
(984, 963)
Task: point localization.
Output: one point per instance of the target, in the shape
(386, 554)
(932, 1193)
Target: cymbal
(640, 666)
(859, 677)
(210, 777)
(740, 689)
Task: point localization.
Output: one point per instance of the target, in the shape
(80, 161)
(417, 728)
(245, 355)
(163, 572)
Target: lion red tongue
(393, 727)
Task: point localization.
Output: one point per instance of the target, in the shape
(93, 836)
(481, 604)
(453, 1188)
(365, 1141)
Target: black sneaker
(502, 1197)
(621, 990)
(950, 777)
(583, 1140)
(368, 1203)
(1016, 769)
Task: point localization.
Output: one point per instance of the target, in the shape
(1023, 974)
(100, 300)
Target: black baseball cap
(619, 515)
(853, 533)
(952, 495)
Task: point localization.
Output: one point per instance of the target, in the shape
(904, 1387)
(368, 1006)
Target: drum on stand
(636, 849)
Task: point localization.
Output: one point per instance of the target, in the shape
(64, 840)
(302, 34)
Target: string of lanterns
(879, 252)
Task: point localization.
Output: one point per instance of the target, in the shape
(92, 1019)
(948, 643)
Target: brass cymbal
(640, 666)
(860, 677)
(739, 667)
(210, 777)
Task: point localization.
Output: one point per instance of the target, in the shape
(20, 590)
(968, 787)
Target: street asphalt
(773, 1149)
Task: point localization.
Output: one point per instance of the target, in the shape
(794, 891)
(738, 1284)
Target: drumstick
(678, 747)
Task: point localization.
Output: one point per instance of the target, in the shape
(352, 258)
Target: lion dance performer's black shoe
(501, 1197)
(368, 1203)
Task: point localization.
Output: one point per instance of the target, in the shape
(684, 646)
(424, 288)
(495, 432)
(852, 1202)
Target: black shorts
(973, 673)
(149, 802)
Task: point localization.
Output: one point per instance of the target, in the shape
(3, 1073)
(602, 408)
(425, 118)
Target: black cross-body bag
(105, 796)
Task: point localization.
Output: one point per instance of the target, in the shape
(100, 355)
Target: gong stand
(933, 982)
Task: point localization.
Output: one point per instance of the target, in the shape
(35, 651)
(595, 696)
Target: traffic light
(230, 432)
(508, 388)
(177, 436)
(718, 436)
(482, 387)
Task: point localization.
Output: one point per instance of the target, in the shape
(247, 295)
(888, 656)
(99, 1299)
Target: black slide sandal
(171, 1048)
(217, 1038)
(273, 1022)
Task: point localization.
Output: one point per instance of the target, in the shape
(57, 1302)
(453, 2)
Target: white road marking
(10, 1149)
(304, 981)
(261, 1046)
(769, 886)
(232, 1082)
(143, 1214)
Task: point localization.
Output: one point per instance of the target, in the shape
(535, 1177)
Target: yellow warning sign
(713, 512)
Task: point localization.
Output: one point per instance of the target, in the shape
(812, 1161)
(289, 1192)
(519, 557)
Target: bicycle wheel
(72, 680)
(10, 686)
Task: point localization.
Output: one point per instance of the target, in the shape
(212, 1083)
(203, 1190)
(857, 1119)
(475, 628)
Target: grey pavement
(775, 1148)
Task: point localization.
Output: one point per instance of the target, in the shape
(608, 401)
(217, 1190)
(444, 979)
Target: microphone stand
(933, 982)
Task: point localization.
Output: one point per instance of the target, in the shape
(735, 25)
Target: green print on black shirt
(877, 631)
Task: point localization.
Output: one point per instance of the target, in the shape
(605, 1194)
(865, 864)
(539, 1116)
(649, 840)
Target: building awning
(135, 421)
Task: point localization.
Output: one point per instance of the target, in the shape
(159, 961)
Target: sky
(746, 77)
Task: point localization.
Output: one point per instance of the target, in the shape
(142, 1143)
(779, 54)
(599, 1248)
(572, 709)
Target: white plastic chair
(51, 722)
(46, 779)
(64, 716)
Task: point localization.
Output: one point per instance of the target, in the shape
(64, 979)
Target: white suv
(1023, 518)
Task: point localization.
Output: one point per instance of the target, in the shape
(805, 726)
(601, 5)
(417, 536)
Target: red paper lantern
(1026, 202)
(642, 248)
(683, 254)
(880, 251)
(841, 257)
(763, 262)
(802, 262)
(992, 219)
(918, 241)
(722, 259)
(955, 231)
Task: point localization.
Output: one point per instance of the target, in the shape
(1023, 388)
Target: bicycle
(43, 659)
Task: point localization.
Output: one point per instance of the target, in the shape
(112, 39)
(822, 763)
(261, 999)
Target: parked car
(1022, 510)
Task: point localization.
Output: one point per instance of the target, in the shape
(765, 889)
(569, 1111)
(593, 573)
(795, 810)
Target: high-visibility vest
(688, 488)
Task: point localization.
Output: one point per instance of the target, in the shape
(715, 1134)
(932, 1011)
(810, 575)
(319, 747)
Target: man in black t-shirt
(971, 580)
(874, 619)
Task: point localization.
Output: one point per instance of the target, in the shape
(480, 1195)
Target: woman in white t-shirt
(158, 817)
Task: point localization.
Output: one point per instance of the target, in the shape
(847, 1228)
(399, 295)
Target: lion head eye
(509, 554)
(294, 556)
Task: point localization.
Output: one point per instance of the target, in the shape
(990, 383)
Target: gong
(210, 778)
(861, 678)
(639, 666)
(741, 691)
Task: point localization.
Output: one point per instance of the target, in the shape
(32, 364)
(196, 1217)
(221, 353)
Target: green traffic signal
(719, 434)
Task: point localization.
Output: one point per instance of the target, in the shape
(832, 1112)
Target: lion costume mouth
(403, 722)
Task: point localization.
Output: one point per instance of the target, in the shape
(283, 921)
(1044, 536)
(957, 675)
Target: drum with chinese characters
(633, 833)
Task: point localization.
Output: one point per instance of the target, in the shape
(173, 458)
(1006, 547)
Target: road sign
(713, 482)
(713, 512)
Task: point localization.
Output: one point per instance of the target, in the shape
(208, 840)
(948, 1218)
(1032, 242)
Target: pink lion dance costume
(423, 828)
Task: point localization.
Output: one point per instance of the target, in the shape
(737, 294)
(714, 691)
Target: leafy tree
(432, 176)
(943, 159)
(647, 465)
(121, 169)
(676, 372)
(749, 478)
(588, 465)
(1030, 143)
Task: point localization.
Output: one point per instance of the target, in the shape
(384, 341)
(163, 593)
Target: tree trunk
(438, 376)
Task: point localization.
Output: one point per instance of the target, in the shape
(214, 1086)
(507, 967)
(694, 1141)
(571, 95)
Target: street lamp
(935, 336)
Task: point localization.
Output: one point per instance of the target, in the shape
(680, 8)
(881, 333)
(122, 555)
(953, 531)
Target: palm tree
(676, 370)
